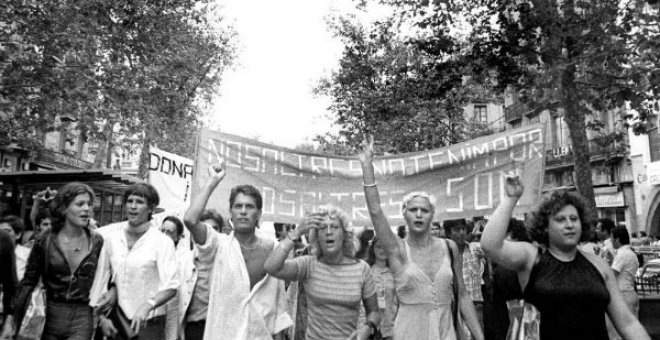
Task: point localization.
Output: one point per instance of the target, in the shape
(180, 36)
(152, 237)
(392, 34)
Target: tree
(581, 58)
(125, 71)
(408, 92)
(589, 56)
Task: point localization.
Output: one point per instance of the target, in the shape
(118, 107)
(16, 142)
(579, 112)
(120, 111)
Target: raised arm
(516, 256)
(276, 264)
(39, 201)
(191, 219)
(391, 243)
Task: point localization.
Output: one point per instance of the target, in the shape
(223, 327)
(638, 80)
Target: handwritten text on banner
(466, 179)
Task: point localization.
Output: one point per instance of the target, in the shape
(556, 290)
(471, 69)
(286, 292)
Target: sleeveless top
(571, 296)
(424, 305)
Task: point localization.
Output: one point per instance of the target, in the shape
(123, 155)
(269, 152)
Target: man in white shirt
(605, 227)
(624, 265)
(244, 302)
(140, 260)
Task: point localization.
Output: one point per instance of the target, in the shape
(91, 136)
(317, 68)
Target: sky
(284, 49)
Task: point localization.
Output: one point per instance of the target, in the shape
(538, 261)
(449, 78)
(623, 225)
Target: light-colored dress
(424, 304)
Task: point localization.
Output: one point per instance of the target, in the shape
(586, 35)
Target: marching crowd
(139, 280)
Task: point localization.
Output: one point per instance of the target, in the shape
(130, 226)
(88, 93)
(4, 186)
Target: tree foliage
(578, 58)
(592, 57)
(127, 71)
(408, 92)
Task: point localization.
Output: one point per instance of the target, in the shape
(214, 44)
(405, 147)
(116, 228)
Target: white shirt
(626, 264)
(187, 273)
(139, 274)
(22, 254)
(235, 312)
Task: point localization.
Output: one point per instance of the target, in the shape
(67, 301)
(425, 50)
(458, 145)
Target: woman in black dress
(573, 290)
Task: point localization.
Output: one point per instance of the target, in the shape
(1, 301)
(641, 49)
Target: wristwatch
(152, 302)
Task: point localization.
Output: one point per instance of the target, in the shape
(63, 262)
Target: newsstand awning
(103, 180)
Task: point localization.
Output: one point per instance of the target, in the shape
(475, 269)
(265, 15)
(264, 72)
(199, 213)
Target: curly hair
(65, 195)
(540, 219)
(348, 244)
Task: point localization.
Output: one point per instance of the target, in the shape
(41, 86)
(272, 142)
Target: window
(481, 113)
(560, 134)
(654, 145)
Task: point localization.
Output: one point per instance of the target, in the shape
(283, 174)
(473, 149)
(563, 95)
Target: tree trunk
(103, 151)
(577, 129)
(144, 156)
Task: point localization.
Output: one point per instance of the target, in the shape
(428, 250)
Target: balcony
(559, 157)
(515, 112)
(599, 149)
(608, 150)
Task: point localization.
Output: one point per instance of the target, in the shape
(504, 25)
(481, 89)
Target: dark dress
(571, 296)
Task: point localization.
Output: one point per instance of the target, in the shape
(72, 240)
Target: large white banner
(171, 175)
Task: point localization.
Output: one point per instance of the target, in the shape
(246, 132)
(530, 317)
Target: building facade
(65, 157)
(611, 167)
(645, 160)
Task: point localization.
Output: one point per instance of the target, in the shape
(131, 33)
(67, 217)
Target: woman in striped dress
(336, 283)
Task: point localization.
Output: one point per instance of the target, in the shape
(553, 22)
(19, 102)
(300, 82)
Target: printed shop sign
(467, 179)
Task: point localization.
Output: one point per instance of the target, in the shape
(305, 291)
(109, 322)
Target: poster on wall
(467, 179)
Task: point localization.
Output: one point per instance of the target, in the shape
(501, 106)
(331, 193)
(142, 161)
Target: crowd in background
(201, 277)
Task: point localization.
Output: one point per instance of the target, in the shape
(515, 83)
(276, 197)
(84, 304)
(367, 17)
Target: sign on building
(653, 173)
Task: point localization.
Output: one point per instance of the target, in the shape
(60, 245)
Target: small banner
(172, 176)
(467, 179)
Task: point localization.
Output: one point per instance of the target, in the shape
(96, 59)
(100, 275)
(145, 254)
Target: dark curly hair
(538, 229)
(65, 195)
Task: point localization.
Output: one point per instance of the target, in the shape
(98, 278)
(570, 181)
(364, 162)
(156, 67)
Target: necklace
(253, 247)
(74, 244)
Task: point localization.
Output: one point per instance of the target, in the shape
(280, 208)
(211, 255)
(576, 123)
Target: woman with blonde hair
(432, 299)
(336, 283)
